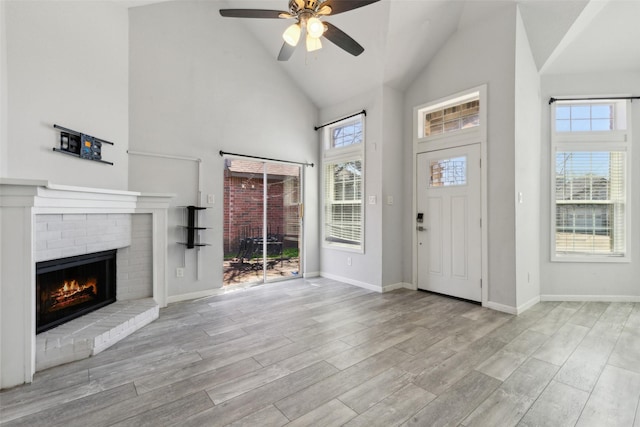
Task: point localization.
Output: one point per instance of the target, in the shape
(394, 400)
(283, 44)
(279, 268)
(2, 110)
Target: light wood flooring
(319, 352)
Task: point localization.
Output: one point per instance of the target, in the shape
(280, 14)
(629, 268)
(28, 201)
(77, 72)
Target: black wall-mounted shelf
(81, 145)
(192, 228)
(194, 245)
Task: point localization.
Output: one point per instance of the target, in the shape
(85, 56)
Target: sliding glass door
(262, 222)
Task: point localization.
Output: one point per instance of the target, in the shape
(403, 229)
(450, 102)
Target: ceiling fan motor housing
(298, 6)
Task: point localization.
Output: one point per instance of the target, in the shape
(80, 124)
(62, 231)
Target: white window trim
(616, 140)
(333, 155)
(462, 136)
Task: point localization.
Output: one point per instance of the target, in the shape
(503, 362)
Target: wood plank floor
(322, 353)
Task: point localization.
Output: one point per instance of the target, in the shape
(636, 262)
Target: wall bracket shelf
(192, 228)
(81, 145)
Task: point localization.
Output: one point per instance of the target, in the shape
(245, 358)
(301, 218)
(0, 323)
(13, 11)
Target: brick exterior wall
(243, 209)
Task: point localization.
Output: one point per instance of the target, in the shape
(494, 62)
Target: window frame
(331, 155)
(441, 140)
(616, 140)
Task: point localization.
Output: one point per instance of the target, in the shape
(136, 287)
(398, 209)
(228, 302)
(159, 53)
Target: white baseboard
(353, 282)
(195, 295)
(590, 298)
(399, 285)
(512, 310)
(501, 307)
(411, 286)
(533, 301)
(386, 288)
(527, 305)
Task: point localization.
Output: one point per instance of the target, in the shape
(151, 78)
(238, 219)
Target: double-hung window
(590, 178)
(343, 175)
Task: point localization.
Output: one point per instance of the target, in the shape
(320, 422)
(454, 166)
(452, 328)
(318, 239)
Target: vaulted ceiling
(401, 36)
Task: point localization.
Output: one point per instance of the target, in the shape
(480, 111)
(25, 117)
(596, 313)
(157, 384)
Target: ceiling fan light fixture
(313, 43)
(292, 35)
(315, 27)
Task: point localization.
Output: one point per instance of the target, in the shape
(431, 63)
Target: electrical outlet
(180, 272)
(349, 261)
(389, 200)
(372, 200)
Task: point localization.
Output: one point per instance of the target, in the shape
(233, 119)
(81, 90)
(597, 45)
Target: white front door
(449, 237)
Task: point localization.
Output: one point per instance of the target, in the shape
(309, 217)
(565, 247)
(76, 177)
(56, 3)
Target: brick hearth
(42, 221)
(90, 334)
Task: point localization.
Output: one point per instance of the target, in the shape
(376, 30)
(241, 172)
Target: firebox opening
(67, 288)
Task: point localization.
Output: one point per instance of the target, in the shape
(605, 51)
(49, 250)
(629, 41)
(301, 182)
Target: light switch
(372, 200)
(210, 199)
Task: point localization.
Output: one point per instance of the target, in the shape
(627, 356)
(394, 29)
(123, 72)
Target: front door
(449, 230)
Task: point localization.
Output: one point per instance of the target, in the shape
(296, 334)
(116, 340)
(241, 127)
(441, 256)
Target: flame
(70, 288)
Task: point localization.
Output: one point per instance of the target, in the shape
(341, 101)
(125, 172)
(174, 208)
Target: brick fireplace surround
(41, 221)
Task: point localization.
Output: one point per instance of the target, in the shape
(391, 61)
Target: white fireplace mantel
(20, 201)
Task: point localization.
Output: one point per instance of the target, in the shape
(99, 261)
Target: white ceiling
(604, 37)
(401, 36)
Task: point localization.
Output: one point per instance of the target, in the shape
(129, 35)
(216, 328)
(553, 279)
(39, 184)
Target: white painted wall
(200, 84)
(527, 170)
(3, 132)
(393, 173)
(67, 64)
(481, 54)
(589, 280)
(3, 89)
(380, 266)
(366, 268)
(64, 63)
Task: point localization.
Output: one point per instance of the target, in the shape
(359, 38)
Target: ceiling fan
(308, 14)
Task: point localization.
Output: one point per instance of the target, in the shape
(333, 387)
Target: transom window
(453, 118)
(584, 117)
(591, 180)
(347, 134)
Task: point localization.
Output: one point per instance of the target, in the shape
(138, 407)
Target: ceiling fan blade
(341, 39)
(254, 13)
(285, 52)
(339, 6)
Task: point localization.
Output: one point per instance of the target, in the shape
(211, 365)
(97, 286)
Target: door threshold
(452, 297)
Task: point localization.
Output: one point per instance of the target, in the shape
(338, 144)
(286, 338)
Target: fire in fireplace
(70, 287)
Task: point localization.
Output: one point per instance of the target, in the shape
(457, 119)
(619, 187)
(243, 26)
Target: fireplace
(67, 288)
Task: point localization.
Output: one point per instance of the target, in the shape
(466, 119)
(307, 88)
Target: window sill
(591, 259)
